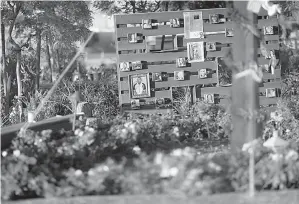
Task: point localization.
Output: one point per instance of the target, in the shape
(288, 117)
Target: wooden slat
(211, 38)
(276, 84)
(125, 98)
(124, 45)
(216, 90)
(150, 111)
(165, 16)
(263, 101)
(277, 74)
(151, 57)
(163, 94)
(267, 22)
(271, 37)
(124, 85)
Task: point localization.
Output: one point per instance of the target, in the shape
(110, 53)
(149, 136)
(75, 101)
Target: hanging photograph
(193, 25)
(140, 85)
(211, 46)
(271, 92)
(136, 65)
(229, 32)
(264, 68)
(160, 101)
(179, 75)
(209, 98)
(195, 51)
(214, 18)
(135, 37)
(135, 104)
(203, 73)
(157, 76)
(268, 30)
(181, 62)
(175, 23)
(147, 23)
(124, 66)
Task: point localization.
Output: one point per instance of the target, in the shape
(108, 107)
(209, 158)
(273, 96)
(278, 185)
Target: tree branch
(28, 39)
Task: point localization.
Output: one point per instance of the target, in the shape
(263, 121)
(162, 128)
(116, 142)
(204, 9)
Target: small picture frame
(147, 24)
(181, 62)
(125, 66)
(214, 18)
(139, 86)
(229, 32)
(136, 65)
(175, 23)
(209, 98)
(211, 46)
(271, 92)
(203, 73)
(268, 30)
(157, 76)
(264, 68)
(160, 101)
(179, 75)
(135, 37)
(135, 104)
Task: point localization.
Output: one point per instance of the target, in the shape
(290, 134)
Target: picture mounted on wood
(125, 66)
(211, 46)
(264, 68)
(195, 52)
(229, 32)
(139, 86)
(214, 18)
(157, 76)
(135, 104)
(179, 75)
(271, 92)
(175, 23)
(181, 62)
(268, 30)
(160, 101)
(136, 65)
(193, 25)
(203, 73)
(135, 37)
(147, 23)
(209, 98)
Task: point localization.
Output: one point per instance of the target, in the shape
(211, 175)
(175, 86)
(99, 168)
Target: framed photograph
(160, 101)
(209, 98)
(193, 25)
(181, 62)
(268, 30)
(135, 37)
(214, 18)
(179, 75)
(135, 104)
(229, 32)
(136, 65)
(195, 52)
(147, 23)
(140, 86)
(203, 73)
(271, 92)
(211, 46)
(125, 66)
(264, 68)
(157, 76)
(175, 23)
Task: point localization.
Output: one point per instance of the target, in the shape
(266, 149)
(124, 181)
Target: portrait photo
(135, 104)
(175, 23)
(264, 68)
(229, 32)
(160, 101)
(214, 18)
(147, 23)
(203, 73)
(139, 85)
(271, 92)
(209, 98)
(181, 62)
(124, 66)
(136, 65)
(135, 37)
(268, 30)
(179, 75)
(157, 76)
(195, 52)
(211, 46)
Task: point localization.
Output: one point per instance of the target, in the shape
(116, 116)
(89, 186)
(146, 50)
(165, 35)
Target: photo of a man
(175, 23)
(181, 62)
(140, 85)
(214, 18)
(268, 30)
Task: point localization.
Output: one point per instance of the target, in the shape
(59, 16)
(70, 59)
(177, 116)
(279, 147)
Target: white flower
(91, 172)
(136, 149)
(173, 171)
(132, 128)
(105, 168)
(292, 155)
(78, 172)
(276, 116)
(81, 133)
(287, 130)
(276, 157)
(77, 131)
(176, 131)
(4, 153)
(158, 158)
(250, 146)
(214, 166)
(177, 152)
(16, 153)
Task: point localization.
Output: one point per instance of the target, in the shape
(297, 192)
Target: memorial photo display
(203, 73)
(179, 75)
(175, 23)
(193, 25)
(268, 30)
(209, 98)
(195, 52)
(136, 65)
(181, 62)
(211, 46)
(157, 76)
(214, 18)
(135, 37)
(147, 23)
(271, 93)
(135, 104)
(124, 66)
(139, 85)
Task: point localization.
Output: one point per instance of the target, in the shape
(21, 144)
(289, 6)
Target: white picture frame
(211, 46)
(181, 62)
(203, 73)
(214, 18)
(139, 86)
(125, 66)
(195, 52)
(268, 30)
(147, 23)
(137, 65)
(209, 98)
(179, 75)
(157, 76)
(271, 92)
(175, 23)
(135, 104)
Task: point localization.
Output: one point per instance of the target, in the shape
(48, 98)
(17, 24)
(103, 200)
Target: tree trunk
(38, 51)
(48, 56)
(19, 82)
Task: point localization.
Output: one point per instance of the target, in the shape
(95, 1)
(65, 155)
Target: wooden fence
(155, 61)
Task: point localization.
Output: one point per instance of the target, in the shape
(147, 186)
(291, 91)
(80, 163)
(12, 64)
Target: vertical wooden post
(245, 90)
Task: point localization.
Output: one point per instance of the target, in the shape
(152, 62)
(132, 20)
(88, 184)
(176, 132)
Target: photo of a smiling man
(139, 85)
